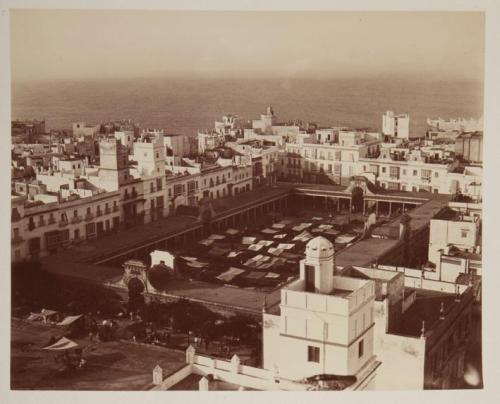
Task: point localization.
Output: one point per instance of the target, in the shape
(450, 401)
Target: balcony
(41, 223)
(107, 210)
(51, 220)
(76, 219)
(16, 240)
(63, 223)
(116, 208)
(425, 179)
(98, 213)
(89, 216)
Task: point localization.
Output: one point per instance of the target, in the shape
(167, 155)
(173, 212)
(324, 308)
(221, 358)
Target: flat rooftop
(111, 365)
(364, 252)
(425, 308)
(420, 217)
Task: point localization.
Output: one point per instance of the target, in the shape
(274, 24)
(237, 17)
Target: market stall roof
(61, 345)
(69, 320)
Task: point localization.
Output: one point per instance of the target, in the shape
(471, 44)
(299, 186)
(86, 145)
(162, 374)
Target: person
(133, 338)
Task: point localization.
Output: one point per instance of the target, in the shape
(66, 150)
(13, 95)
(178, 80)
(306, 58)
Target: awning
(69, 320)
(63, 344)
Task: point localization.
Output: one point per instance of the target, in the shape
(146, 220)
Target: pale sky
(73, 44)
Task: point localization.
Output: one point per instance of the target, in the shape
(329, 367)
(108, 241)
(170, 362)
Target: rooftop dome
(319, 247)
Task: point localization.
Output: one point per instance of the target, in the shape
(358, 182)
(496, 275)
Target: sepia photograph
(245, 200)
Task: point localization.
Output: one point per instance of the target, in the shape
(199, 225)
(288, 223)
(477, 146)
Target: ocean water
(185, 106)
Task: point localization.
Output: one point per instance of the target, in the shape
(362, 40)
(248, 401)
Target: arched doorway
(357, 199)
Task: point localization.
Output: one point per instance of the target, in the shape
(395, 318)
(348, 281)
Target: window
(177, 189)
(394, 172)
(383, 169)
(361, 349)
(464, 233)
(426, 173)
(415, 173)
(436, 175)
(313, 354)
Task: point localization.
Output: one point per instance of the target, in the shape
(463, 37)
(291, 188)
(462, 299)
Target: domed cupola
(319, 248)
(317, 268)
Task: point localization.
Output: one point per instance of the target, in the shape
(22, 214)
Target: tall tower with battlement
(113, 167)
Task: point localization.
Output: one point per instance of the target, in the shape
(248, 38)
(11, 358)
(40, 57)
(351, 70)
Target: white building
(126, 137)
(44, 225)
(396, 125)
(82, 129)
(328, 162)
(325, 322)
(455, 245)
(266, 121)
(176, 147)
(209, 140)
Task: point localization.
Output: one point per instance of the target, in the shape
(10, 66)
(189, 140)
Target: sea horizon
(186, 105)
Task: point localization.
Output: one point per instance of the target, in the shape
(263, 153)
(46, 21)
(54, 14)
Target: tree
(135, 297)
(159, 276)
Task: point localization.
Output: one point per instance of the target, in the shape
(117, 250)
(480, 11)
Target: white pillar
(203, 384)
(157, 375)
(235, 364)
(190, 353)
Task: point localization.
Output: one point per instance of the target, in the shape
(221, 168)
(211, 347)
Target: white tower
(325, 322)
(113, 167)
(396, 125)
